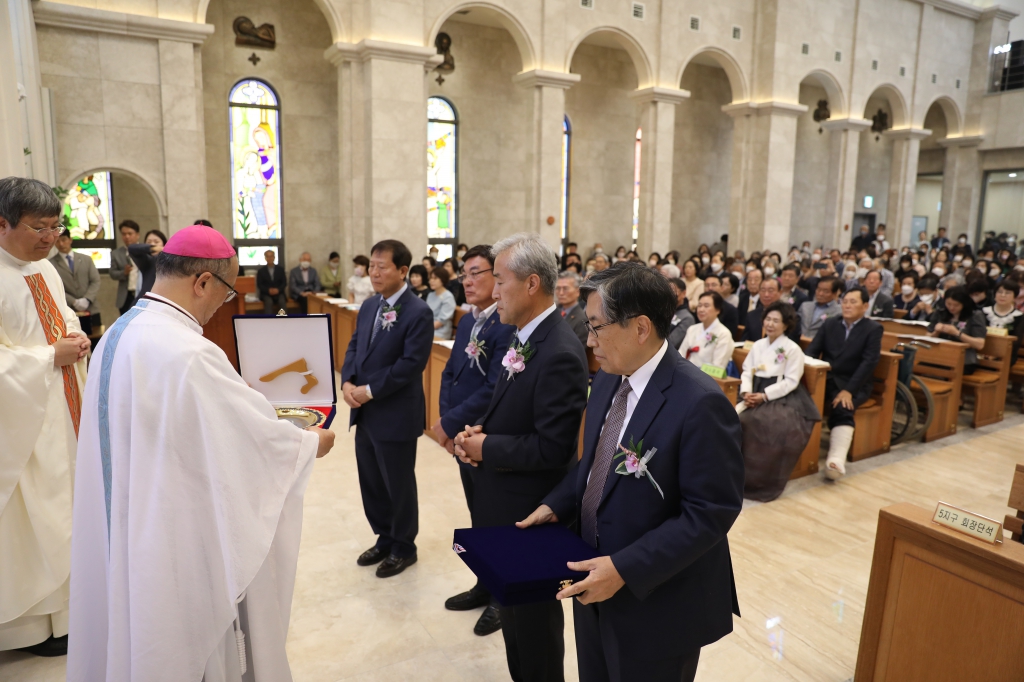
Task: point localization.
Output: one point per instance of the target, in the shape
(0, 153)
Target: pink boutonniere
(780, 356)
(636, 465)
(961, 325)
(516, 358)
(709, 338)
(475, 351)
(389, 315)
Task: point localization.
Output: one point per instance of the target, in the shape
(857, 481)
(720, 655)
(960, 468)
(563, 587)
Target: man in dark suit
(663, 539)
(851, 344)
(80, 277)
(567, 296)
(382, 381)
(790, 293)
(880, 304)
(682, 319)
(123, 269)
(768, 294)
(467, 385)
(729, 316)
(270, 283)
(525, 441)
(303, 281)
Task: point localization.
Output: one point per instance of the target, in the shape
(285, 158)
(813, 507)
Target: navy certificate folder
(523, 565)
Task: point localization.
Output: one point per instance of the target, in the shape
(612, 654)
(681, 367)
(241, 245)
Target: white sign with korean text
(980, 527)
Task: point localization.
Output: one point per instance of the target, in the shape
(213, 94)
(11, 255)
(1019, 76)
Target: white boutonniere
(636, 465)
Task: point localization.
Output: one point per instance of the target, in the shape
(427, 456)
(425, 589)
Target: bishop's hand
(326, 440)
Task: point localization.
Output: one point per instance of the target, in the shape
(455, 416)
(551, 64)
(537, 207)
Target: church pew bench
(814, 381)
(1017, 376)
(873, 419)
(941, 369)
(899, 313)
(988, 383)
(730, 387)
(1015, 524)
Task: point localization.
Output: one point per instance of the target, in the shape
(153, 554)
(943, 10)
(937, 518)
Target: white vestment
(191, 502)
(37, 457)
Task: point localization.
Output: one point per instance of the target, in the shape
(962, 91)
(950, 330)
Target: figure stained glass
(441, 169)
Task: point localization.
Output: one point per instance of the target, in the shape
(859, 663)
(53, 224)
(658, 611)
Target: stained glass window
(636, 189)
(255, 112)
(89, 217)
(566, 156)
(442, 173)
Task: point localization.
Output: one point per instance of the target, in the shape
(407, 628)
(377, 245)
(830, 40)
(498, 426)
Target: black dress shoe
(394, 565)
(372, 556)
(488, 623)
(51, 647)
(467, 601)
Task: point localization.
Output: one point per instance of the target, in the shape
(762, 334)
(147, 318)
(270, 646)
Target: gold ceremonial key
(297, 366)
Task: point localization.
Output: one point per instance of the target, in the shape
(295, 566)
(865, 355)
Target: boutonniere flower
(389, 315)
(824, 316)
(709, 338)
(635, 464)
(961, 325)
(475, 351)
(516, 358)
(780, 356)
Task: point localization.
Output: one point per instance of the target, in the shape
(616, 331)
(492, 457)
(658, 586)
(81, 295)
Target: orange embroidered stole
(53, 325)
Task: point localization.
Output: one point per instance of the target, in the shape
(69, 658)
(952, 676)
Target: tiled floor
(801, 564)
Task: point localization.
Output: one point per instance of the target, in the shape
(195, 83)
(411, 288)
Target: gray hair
(569, 274)
(529, 255)
(671, 271)
(20, 197)
(174, 266)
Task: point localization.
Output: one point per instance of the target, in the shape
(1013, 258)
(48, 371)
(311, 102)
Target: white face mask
(927, 298)
(769, 271)
(816, 257)
(957, 258)
(360, 271)
(653, 262)
(462, 253)
(849, 272)
(907, 289)
(705, 260)
(862, 273)
(304, 264)
(938, 272)
(716, 267)
(968, 263)
(994, 273)
(961, 241)
(749, 268)
(591, 268)
(334, 265)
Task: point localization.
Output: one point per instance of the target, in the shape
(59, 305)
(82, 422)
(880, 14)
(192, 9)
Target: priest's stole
(55, 329)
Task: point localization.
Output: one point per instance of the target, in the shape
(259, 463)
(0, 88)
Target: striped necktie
(606, 447)
(378, 321)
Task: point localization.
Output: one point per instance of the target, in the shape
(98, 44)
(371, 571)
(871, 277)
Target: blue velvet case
(523, 566)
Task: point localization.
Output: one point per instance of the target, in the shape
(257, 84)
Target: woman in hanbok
(709, 342)
(776, 412)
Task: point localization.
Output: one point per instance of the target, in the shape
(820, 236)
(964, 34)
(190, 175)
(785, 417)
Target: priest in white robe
(188, 501)
(42, 367)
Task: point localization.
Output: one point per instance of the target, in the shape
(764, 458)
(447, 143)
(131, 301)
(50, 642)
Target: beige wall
(810, 173)
(926, 200)
(873, 164)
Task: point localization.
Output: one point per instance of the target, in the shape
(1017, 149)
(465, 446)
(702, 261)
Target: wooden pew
(873, 419)
(814, 382)
(941, 369)
(899, 313)
(1017, 376)
(1015, 524)
(988, 383)
(432, 384)
(730, 387)
(459, 312)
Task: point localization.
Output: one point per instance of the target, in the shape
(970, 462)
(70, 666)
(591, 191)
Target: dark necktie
(378, 321)
(71, 263)
(606, 447)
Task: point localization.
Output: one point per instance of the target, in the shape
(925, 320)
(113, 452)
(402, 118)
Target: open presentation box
(290, 361)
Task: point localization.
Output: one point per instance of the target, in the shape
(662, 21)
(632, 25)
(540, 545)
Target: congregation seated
(908, 297)
(927, 298)
(825, 305)
(359, 286)
(776, 412)
(418, 276)
(1003, 314)
(708, 342)
(330, 276)
(567, 296)
(791, 293)
(694, 285)
(682, 319)
(880, 304)
(852, 345)
(303, 281)
(750, 292)
(270, 284)
(959, 320)
(441, 303)
(729, 315)
(769, 293)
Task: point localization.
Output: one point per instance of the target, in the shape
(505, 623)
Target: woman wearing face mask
(714, 267)
(1003, 313)
(330, 276)
(359, 286)
(907, 299)
(620, 254)
(672, 257)
(694, 285)
(654, 259)
(927, 298)
(962, 248)
(776, 413)
(960, 321)
(418, 281)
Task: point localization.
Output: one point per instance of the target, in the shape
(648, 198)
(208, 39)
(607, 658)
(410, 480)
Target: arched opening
(886, 109)
(931, 163)
(605, 122)
(702, 165)
(821, 94)
(493, 114)
(493, 16)
(442, 175)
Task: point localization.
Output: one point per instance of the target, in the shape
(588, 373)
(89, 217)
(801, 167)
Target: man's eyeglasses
(231, 290)
(56, 230)
(591, 329)
(472, 275)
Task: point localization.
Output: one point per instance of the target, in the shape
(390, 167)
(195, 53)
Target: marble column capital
(659, 95)
(60, 15)
(963, 141)
(541, 78)
(853, 124)
(770, 108)
(368, 49)
(908, 134)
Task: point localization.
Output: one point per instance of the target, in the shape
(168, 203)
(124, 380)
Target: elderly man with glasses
(657, 489)
(42, 367)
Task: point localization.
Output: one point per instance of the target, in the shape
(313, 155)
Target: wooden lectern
(941, 606)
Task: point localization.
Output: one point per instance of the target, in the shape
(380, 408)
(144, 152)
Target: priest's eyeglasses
(56, 230)
(231, 290)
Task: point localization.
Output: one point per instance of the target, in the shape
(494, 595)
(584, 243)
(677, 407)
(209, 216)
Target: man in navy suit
(663, 587)
(523, 444)
(382, 381)
(467, 385)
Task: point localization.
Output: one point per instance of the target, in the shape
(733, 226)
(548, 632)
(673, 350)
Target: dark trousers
(387, 482)
(839, 416)
(533, 641)
(129, 301)
(466, 474)
(271, 304)
(603, 657)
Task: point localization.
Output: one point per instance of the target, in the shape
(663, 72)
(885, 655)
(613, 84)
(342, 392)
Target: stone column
(382, 92)
(12, 142)
(764, 149)
(657, 109)
(961, 191)
(841, 190)
(902, 183)
(544, 213)
(181, 104)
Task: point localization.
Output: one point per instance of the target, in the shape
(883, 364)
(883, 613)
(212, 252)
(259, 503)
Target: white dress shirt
(524, 334)
(390, 300)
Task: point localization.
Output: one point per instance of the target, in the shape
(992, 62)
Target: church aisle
(801, 562)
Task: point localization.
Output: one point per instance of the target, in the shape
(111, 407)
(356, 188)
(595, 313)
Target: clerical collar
(166, 301)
